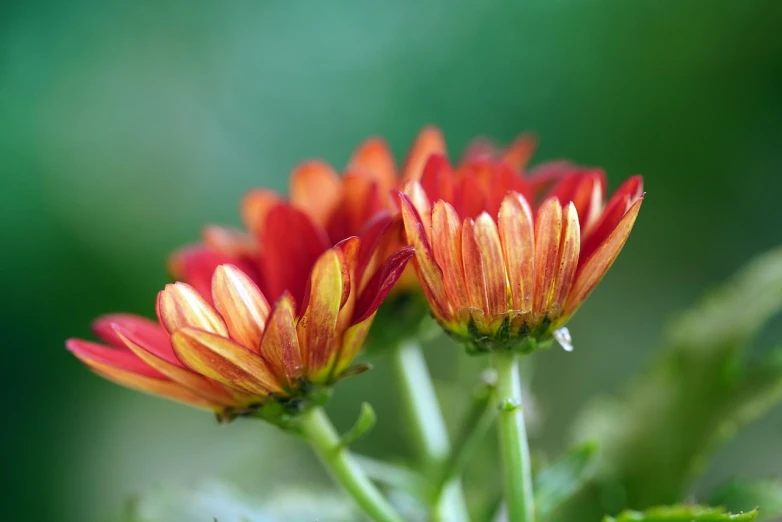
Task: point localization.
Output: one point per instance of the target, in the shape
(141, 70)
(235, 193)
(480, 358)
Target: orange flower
(231, 352)
(499, 275)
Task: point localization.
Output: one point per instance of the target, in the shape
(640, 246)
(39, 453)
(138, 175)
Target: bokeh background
(124, 127)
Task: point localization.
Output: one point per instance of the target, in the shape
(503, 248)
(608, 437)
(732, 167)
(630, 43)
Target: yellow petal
(447, 249)
(548, 234)
(568, 255)
(225, 361)
(493, 266)
(518, 248)
(280, 343)
(159, 387)
(241, 304)
(179, 305)
(317, 328)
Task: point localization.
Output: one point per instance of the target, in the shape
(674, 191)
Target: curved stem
(325, 440)
(513, 441)
(428, 426)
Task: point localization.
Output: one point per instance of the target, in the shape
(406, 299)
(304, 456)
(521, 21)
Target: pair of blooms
(503, 257)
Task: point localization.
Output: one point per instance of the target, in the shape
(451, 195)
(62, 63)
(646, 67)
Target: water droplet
(564, 339)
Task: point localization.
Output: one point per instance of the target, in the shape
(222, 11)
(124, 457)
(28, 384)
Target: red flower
(229, 351)
(498, 274)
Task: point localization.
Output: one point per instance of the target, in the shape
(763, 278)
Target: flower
(499, 275)
(229, 351)
(324, 208)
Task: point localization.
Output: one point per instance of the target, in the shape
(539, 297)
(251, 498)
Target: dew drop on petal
(564, 339)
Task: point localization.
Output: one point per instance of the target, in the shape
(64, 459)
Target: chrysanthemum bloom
(233, 353)
(500, 274)
(326, 208)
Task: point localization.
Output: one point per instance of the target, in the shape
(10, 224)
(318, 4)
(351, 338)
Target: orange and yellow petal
(447, 249)
(241, 305)
(316, 189)
(517, 236)
(179, 305)
(428, 142)
(280, 342)
(255, 207)
(225, 361)
(548, 234)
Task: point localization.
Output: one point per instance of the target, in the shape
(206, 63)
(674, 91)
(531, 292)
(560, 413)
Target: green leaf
(214, 501)
(364, 423)
(682, 514)
(696, 392)
(743, 495)
(557, 483)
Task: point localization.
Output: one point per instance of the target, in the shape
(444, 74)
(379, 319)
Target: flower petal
(352, 343)
(93, 355)
(493, 266)
(241, 304)
(438, 179)
(616, 208)
(518, 247)
(447, 248)
(280, 343)
(198, 384)
(148, 333)
(361, 200)
(373, 158)
(518, 153)
(225, 361)
(291, 254)
(255, 207)
(381, 284)
(317, 328)
(593, 269)
(179, 305)
(316, 189)
(548, 234)
(568, 255)
(429, 141)
(429, 273)
(153, 386)
(230, 242)
(474, 273)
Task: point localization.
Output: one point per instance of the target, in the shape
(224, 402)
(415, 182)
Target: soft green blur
(125, 128)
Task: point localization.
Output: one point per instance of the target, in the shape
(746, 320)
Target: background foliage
(126, 126)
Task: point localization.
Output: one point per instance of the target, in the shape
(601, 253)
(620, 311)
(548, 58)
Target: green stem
(428, 426)
(476, 424)
(513, 441)
(325, 440)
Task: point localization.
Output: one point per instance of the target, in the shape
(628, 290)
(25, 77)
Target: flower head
(230, 351)
(499, 273)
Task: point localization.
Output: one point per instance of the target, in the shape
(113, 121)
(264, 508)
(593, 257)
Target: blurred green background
(124, 127)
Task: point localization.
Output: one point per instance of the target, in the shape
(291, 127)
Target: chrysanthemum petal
(352, 342)
(373, 158)
(317, 327)
(585, 189)
(241, 304)
(594, 268)
(548, 234)
(233, 243)
(290, 254)
(518, 247)
(381, 284)
(154, 386)
(150, 332)
(195, 266)
(361, 199)
(225, 361)
(493, 266)
(315, 189)
(280, 343)
(474, 272)
(614, 211)
(568, 255)
(429, 272)
(198, 384)
(447, 249)
(438, 178)
(255, 207)
(422, 205)
(179, 305)
(429, 141)
(519, 152)
(93, 354)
